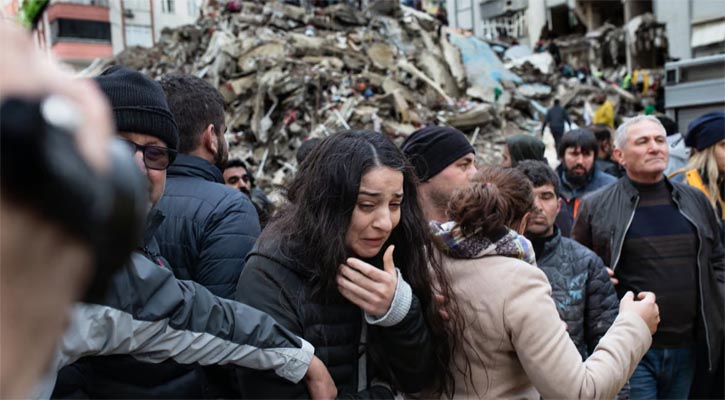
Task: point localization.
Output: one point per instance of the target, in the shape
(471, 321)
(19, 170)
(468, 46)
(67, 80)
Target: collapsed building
(288, 73)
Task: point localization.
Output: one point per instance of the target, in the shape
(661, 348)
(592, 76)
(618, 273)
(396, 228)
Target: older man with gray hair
(662, 237)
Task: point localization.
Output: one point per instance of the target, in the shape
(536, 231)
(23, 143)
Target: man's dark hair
(557, 102)
(237, 162)
(195, 104)
(582, 138)
(540, 174)
(305, 149)
(601, 132)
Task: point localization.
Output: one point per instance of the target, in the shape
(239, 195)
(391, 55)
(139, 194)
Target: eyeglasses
(154, 157)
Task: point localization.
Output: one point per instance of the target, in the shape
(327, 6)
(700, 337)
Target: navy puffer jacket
(209, 227)
(580, 286)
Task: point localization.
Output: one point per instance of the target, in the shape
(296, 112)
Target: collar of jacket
(187, 165)
(153, 221)
(551, 244)
(632, 193)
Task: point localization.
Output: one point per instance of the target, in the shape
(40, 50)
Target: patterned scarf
(451, 241)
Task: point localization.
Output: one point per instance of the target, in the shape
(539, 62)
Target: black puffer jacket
(209, 227)
(274, 283)
(584, 295)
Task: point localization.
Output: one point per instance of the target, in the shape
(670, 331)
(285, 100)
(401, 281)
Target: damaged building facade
(606, 33)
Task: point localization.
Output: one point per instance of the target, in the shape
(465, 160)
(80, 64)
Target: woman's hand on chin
(368, 287)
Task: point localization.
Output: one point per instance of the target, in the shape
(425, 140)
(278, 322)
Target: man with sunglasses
(133, 341)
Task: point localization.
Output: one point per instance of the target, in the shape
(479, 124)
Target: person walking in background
(556, 118)
(604, 114)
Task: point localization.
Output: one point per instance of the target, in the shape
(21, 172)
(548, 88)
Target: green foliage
(30, 11)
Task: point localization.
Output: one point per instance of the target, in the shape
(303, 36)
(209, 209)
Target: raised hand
(368, 287)
(646, 308)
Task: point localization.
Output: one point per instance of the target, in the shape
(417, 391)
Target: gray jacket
(153, 317)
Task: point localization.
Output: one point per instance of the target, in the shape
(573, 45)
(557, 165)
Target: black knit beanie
(139, 104)
(433, 148)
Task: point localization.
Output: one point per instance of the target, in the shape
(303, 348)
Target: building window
(65, 29)
(168, 6)
(138, 35)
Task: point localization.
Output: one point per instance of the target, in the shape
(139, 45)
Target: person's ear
(524, 223)
(558, 205)
(209, 140)
(617, 156)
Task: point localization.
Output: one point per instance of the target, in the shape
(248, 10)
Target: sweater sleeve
(154, 317)
(229, 235)
(550, 358)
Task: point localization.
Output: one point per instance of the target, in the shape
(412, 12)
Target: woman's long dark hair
(314, 223)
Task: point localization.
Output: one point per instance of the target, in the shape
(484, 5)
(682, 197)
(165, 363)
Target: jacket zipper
(621, 242)
(699, 281)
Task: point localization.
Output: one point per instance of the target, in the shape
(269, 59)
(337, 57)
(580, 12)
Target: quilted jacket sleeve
(602, 305)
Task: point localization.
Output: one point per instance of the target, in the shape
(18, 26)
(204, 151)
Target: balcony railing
(98, 3)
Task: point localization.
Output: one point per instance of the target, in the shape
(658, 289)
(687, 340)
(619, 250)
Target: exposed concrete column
(536, 19)
(627, 16)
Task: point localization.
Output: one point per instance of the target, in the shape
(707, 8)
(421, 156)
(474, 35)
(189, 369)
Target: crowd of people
(387, 272)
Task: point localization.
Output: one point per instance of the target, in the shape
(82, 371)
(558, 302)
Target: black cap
(139, 104)
(433, 148)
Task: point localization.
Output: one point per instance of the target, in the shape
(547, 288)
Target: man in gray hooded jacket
(148, 316)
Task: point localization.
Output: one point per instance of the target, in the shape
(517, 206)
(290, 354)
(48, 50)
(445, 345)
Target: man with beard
(209, 227)
(577, 170)
(444, 162)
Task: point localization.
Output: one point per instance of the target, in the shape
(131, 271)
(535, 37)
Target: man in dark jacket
(604, 160)
(148, 313)
(556, 118)
(662, 237)
(577, 172)
(209, 227)
(584, 296)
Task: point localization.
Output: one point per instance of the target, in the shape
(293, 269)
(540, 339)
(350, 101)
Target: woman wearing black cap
(706, 168)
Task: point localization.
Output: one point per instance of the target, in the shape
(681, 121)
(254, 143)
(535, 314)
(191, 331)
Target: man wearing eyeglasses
(149, 323)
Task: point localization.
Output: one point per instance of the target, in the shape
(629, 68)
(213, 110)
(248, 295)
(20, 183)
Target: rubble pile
(287, 73)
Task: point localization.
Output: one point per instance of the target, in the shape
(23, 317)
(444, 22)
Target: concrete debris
(288, 73)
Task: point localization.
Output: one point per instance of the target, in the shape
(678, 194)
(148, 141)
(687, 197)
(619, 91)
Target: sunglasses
(154, 157)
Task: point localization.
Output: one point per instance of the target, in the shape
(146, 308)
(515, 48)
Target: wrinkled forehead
(644, 129)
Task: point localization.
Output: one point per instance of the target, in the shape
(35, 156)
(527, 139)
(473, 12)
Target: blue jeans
(664, 374)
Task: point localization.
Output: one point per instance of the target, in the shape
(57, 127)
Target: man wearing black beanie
(133, 341)
(444, 162)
